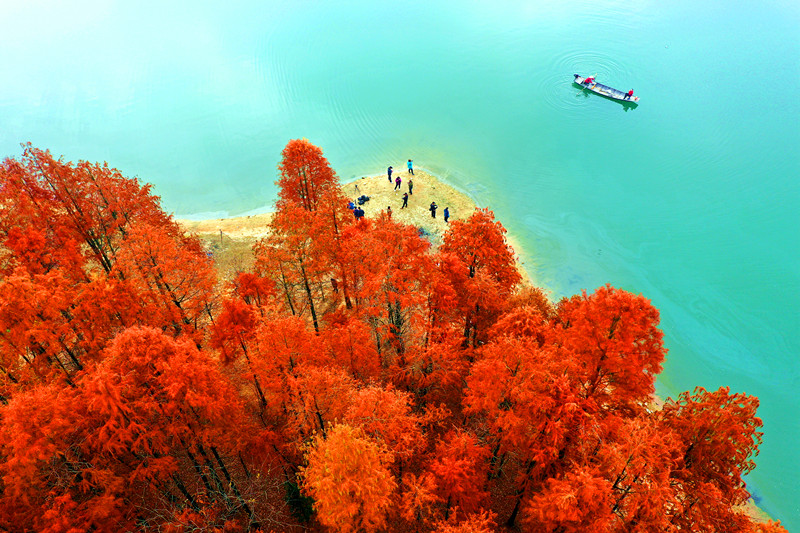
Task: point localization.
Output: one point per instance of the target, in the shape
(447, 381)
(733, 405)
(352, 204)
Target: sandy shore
(230, 239)
(426, 189)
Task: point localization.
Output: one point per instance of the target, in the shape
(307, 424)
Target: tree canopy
(357, 378)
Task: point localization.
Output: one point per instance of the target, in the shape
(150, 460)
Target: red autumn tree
(480, 245)
(58, 213)
(533, 409)
(281, 345)
(153, 425)
(460, 467)
(171, 275)
(577, 502)
(349, 344)
(348, 477)
(385, 413)
(303, 251)
(719, 437)
(477, 523)
(390, 288)
(636, 461)
(305, 174)
(419, 501)
(254, 290)
(530, 316)
(614, 338)
(289, 256)
(318, 397)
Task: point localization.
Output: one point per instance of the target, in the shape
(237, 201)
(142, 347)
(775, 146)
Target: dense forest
(357, 378)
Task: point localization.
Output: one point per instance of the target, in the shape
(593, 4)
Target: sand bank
(382, 193)
(230, 238)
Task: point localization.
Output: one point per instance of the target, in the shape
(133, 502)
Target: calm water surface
(690, 199)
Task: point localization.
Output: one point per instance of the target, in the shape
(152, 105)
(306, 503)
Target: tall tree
(613, 337)
(154, 424)
(305, 174)
(171, 275)
(290, 257)
(719, 437)
(480, 245)
(577, 502)
(78, 212)
(391, 287)
(348, 477)
(460, 467)
(385, 413)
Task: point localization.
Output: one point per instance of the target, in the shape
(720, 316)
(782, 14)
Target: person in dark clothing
(446, 213)
(629, 95)
(389, 211)
(432, 209)
(397, 182)
(405, 200)
(389, 171)
(410, 186)
(358, 213)
(410, 167)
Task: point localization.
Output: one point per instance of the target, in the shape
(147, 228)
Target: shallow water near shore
(691, 198)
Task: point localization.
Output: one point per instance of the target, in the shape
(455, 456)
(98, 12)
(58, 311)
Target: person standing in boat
(629, 95)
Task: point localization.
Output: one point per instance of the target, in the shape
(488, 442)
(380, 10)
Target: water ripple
(558, 89)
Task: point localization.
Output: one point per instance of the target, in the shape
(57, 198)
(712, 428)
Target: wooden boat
(608, 92)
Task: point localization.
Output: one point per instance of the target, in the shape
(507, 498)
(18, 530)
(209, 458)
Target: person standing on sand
(410, 186)
(405, 201)
(410, 167)
(397, 182)
(432, 209)
(446, 213)
(389, 171)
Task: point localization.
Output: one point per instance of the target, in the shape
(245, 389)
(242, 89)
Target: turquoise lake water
(691, 198)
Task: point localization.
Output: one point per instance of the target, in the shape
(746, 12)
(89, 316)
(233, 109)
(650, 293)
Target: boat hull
(608, 92)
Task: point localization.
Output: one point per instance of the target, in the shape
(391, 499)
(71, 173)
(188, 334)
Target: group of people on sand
(398, 182)
(358, 212)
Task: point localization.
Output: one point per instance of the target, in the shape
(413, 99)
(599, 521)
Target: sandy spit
(229, 238)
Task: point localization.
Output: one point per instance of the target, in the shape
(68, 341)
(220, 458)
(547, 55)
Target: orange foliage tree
(485, 256)
(358, 377)
(348, 477)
